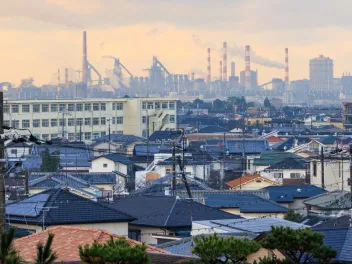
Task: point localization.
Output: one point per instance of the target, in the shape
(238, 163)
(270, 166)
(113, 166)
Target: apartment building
(347, 115)
(87, 119)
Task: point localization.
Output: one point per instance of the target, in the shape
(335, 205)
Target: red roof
(66, 242)
(273, 139)
(245, 179)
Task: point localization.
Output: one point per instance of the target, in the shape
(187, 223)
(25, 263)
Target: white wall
(111, 166)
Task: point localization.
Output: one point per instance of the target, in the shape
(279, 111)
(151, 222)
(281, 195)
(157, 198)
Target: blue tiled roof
(64, 207)
(247, 203)
(126, 139)
(150, 150)
(167, 212)
(287, 193)
(289, 163)
(212, 129)
(161, 136)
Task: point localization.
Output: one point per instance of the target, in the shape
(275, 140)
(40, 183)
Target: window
(71, 122)
(113, 106)
(79, 136)
(62, 122)
(53, 107)
(164, 105)
(95, 107)
(168, 171)
(79, 121)
(96, 121)
(6, 108)
(103, 106)
(114, 120)
(315, 169)
(36, 122)
(119, 120)
(45, 122)
(54, 136)
(105, 165)
(119, 106)
(15, 123)
(295, 175)
(278, 175)
(103, 133)
(14, 108)
(172, 105)
(144, 119)
(36, 108)
(87, 135)
(157, 105)
(103, 121)
(71, 136)
(172, 118)
(45, 136)
(25, 124)
(62, 107)
(79, 107)
(150, 105)
(134, 234)
(96, 135)
(45, 108)
(87, 107)
(25, 108)
(87, 121)
(14, 152)
(53, 122)
(6, 122)
(144, 105)
(71, 107)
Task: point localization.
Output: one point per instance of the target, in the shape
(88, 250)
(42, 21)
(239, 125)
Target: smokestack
(58, 81)
(209, 67)
(220, 72)
(286, 67)
(248, 67)
(85, 64)
(224, 58)
(66, 77)
(192, 76)
(233, 69)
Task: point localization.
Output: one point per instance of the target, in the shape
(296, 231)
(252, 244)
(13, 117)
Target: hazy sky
(40, 36)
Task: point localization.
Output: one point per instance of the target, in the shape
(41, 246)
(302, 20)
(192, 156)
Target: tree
(114, 251)
(45, 255)
(8, 255)
(50, 161)
(218, 104)
(267, 102)
(293, 216)
(213, 249)
(301, 245)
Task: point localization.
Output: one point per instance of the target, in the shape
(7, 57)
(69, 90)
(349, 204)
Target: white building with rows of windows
(87, 119)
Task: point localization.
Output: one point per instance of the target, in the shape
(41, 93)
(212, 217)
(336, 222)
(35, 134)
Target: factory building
(321, 74)
(253, 80)
(87, 119)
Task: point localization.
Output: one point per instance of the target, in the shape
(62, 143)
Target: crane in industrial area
(91, 67)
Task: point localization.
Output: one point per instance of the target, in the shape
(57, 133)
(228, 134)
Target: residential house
(244, 204)
(268, 158)
(250, 182)
(17, 151)
(90, 185)
(292, 196)
(328, 144)
(159, 217)
(143, 154)
(273, 140)
(165, 137)
(55, 207)
(291, 142)
(67, 240)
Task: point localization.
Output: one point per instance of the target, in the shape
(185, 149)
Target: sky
(38, 37)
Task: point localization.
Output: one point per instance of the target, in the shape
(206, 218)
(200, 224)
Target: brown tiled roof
(273, 139)
(245, 179)
(66, 242)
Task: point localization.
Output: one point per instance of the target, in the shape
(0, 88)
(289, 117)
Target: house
(163, 217)
(55, 207)
(328, 144)
(17, 151)
(250, 182)
(292, 196)
(290, 143)
(244, 204)
(269, 158)
(333, 222)
(67, 240)
(143, 154)
(165, 137)
(90, 185)
(272, 140)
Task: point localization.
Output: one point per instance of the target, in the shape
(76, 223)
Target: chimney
(192, 76)
(248, 67)
(209, 67)
(58, 81)
(224, 58)
(66, 77)
(85, 64)
(220, 72)
(233, 69)
(286, 67)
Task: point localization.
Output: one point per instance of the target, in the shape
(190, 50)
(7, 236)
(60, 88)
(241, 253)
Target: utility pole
(222, 172)
(173, 168)
(63, 125)
(2, 169)
(80, 131)
(109, 137)
(322, 167)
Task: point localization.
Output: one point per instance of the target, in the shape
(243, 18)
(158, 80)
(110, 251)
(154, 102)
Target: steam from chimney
(209, 67)
(248, 67)
(287, 80)
(224, 58)
(85, 62)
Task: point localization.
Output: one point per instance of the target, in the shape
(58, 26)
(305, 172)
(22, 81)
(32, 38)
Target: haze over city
(43, 35)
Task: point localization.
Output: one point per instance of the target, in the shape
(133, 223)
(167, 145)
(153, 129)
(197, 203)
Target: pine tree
(45, 255)
(293, 216)
(8, 255)
(50, 161)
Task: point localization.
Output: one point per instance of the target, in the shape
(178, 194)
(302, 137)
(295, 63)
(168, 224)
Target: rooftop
(287, 193)
(246, 179)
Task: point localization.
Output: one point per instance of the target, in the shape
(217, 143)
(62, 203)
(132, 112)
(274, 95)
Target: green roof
(273, 157)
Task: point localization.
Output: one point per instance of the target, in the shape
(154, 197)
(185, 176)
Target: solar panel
(30, 207)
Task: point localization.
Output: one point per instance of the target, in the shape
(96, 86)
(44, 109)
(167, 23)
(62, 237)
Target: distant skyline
(40, 36)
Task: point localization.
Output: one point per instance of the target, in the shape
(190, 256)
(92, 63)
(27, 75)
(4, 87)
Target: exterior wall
(254, 185)
(147, 233)
(17, 152)
(132, 114)
(236, 211)
(198, 171)
(286, 174)
(111, 166)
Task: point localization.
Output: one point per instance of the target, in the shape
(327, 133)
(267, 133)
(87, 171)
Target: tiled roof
(142, 150)
(212, 129)
(290, 142)
(287, 193)
(273, 139)
(162, 136)
(66, 242)
(289, 164)
(64, 207)
(339, 222)
(247, 203)
(331, 200)
(167, 212)
(329, 140)
(126, 139)
(246, 179)
(272, 157)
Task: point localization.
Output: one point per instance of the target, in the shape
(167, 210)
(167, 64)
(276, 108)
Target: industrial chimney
(233, 69)
(58, 81)
(85, 62)
(248, 67)
(66, 77)
(286, 67)
(224, 58)
(209, 67)
(220, 72)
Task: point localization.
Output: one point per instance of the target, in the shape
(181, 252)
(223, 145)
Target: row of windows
(96, 121)
(44, 108)
(159, 105)
(172, 119)
(77, 136)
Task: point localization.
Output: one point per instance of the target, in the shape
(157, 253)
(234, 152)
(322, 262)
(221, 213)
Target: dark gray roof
(125, 139)
(142, 150)
(237, 146)
(288, 164)
(287, 193)
(165, 136)
(90, 177)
